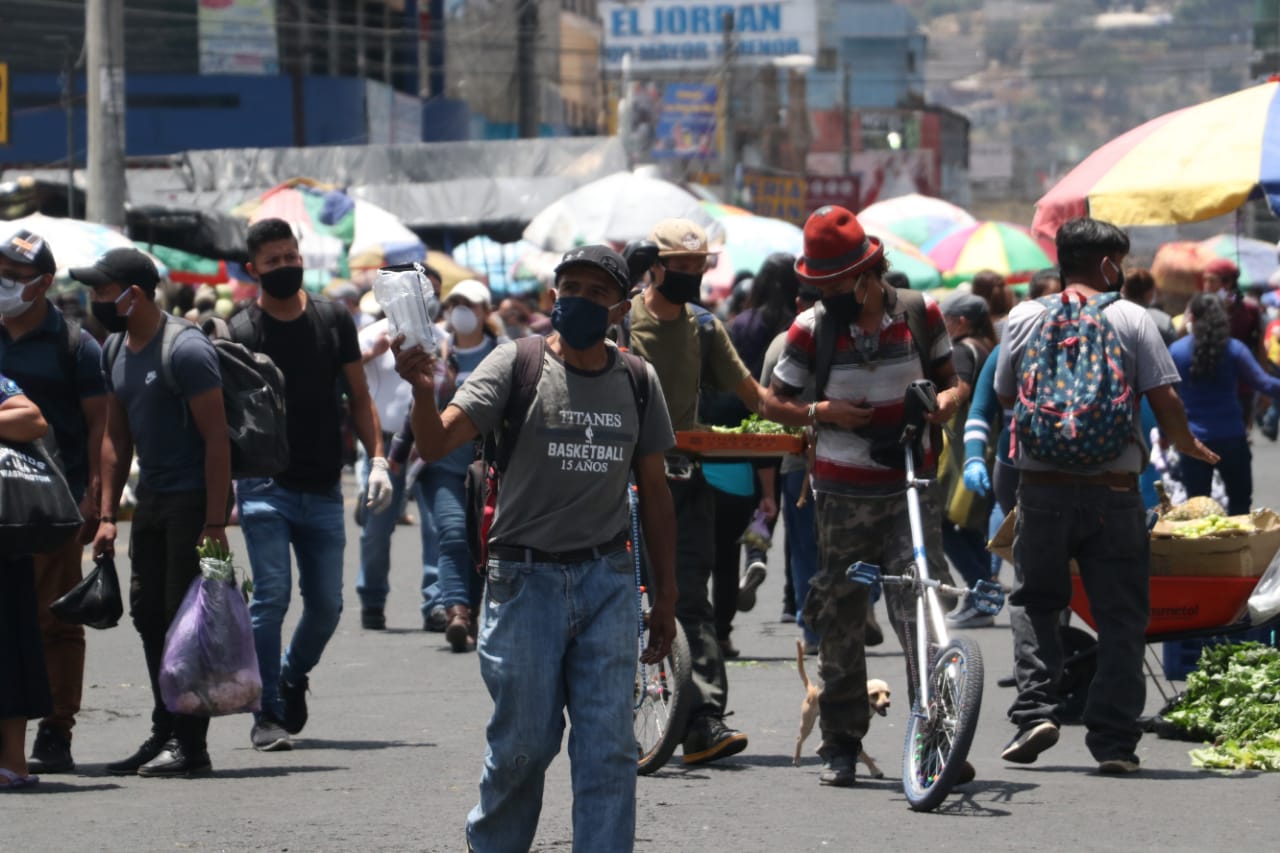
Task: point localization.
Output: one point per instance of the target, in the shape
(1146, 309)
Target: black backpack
(484, 474)
(252, 397)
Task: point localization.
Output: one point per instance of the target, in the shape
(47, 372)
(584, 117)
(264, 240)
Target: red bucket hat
(835, 245)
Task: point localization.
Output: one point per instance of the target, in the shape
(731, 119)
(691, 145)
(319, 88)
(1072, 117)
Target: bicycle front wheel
(661, 703)
(942, 725)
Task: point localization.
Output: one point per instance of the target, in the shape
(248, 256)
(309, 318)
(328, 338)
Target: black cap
(602, 258)
(31, 249)
(125, 267)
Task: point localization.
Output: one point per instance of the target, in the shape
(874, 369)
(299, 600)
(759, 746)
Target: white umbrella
(618, 208)
(74, 242)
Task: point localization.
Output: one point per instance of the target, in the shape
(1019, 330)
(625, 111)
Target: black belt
(516, 554)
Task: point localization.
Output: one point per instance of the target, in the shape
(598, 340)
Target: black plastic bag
(38, 513)
(95, 601)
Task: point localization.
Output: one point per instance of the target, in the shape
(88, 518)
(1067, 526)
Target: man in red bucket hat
(862, 345)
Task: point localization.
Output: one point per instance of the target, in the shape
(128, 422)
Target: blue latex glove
(976, 478)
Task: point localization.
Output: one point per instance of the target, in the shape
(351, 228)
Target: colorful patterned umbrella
(918, 219)
(75, 243)
(1001, 246)
(1185, 166)
(339, 235)
(918, 267)
(1255, 258)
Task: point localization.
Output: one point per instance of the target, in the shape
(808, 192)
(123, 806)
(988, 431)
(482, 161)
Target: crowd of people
(568, 408)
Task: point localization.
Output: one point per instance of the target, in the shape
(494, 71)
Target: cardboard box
(1235, 554)
(1240, 555)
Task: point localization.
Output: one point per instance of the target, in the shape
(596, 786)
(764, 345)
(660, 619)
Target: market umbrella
(918, 219)
(918, 267)
(615, 209)
(1255, 258)
(451, 272)
(1000, 246)
(75, 243)
(1185, 166)
(187, 267)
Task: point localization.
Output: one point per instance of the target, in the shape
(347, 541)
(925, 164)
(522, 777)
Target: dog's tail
(800, 663)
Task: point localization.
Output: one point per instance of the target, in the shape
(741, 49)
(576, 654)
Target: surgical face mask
(282, 282)
(1119, 282)
(581, 323)
(680, 287)
(11, 302)
(463, 320)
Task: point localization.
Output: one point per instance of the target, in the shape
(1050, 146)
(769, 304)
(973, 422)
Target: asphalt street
(391, 759)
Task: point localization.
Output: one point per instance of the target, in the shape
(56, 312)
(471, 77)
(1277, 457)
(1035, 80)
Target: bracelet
(813, 414)
(106, 519)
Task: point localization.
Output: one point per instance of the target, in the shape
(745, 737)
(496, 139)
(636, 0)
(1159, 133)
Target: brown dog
(877, 696)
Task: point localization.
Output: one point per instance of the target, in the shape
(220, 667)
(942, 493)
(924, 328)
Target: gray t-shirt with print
(566, 485)
(1147, 365)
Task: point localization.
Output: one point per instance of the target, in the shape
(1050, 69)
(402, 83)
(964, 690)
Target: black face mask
(106, 314)
(282, 282)
(843, 307)
(681, 287)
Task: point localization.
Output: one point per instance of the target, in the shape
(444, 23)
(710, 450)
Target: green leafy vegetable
(756, 425)
(1233, 700)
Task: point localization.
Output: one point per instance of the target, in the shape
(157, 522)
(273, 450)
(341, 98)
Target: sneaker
(373, 619)
(269, 736)
(756, 573)
(788, 618)
(1271, 429)
(728, 649)
(151, 747)
(294, 697)
(1029, 742)
(810, 649)
(838, 772)
(1119, 765)
(965, 615)
(709, 739)
(51, 752)
(174, 761)
(437, 619)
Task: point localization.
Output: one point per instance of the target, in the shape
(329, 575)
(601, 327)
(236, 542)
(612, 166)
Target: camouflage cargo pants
(877, 531)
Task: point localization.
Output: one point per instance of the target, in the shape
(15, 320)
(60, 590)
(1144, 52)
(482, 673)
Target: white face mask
(11, 302)
(463, 320)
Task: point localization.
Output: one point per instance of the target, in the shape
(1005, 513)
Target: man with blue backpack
(1073, 367)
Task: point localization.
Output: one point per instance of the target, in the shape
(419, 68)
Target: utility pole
(846, 133)
(528, 112)
(335, 62)
(104, 40)
(362, 59)
(727, 142)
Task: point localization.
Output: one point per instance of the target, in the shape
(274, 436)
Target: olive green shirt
(672, 347)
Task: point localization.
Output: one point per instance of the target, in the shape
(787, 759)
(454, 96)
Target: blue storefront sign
(687, 122)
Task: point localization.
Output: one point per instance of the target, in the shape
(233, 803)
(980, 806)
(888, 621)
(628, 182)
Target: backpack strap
(638, 374)
(245, 327)
(824, 342)
(526, 373)
(69, 351)
(111, 351)
(171, 331)
(918, 325)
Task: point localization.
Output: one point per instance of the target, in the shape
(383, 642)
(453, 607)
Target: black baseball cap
(31, 249)
(601, 257)
(125, 267)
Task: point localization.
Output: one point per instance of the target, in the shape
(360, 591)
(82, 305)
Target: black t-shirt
(311, 352)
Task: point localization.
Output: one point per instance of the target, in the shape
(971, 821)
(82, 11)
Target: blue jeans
(375, 549)
(555, 637)
(441, 494)
(271, 518)
(802, 543)
(1236, 468)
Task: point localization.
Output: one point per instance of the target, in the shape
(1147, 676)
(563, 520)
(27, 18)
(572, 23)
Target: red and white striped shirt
(876, 374)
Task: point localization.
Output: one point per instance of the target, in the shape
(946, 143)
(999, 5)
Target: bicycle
(661, 697)
(946, 672)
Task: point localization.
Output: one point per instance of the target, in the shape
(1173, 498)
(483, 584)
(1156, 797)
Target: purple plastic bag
(210, 666)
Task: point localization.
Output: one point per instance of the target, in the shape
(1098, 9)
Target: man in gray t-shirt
(1094, 516)
(558, 624)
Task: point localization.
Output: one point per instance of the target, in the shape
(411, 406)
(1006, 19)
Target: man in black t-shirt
(313, 342)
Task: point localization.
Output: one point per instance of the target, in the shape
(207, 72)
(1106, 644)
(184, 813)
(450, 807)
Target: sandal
(13, 782)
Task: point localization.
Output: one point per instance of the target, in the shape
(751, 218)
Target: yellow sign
(779, 197)
(4, 103)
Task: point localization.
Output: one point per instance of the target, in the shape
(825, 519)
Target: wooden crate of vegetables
(753, 438)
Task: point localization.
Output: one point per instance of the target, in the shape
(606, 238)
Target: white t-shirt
(391, 394)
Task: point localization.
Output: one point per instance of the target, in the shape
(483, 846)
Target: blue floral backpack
(1074, 406)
